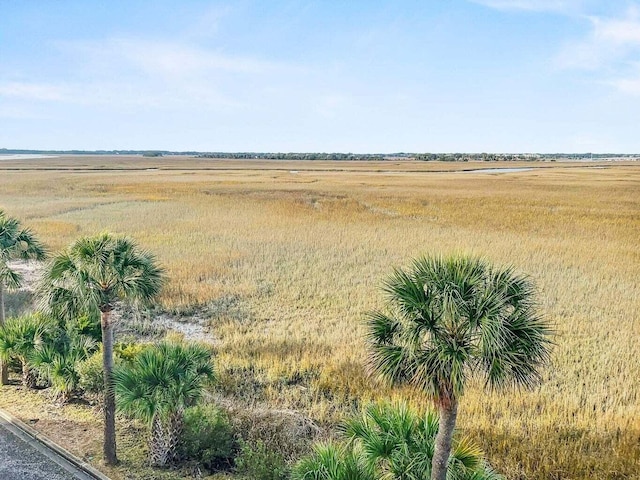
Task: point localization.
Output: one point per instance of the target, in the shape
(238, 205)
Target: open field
(285, 258)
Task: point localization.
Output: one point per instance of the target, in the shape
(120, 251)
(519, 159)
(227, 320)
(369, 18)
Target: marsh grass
(298, 259)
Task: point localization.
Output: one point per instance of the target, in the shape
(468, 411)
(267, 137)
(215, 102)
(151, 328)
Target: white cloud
(118, 95)
(611, 50)
(610, 40)
(560, 6)
(32, 91)
(119, 73)
(630, 86)
(618, 31)
(171, 59)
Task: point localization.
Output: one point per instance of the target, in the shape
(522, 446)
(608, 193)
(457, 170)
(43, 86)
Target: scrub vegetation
(282, 260)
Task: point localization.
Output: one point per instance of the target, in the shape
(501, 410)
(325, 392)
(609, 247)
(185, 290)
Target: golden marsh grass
(289, 255)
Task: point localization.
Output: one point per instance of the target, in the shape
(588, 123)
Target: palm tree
(90, 277)
(392, 442)
(19, 338)
(158, 386)
(451, 319)
(58, 359)
(15, 243)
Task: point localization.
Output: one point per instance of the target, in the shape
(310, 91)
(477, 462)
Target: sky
(321, 76)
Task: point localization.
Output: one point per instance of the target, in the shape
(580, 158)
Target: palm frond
(449, 318)
(163, 379)
(390, 441)
(96, 272)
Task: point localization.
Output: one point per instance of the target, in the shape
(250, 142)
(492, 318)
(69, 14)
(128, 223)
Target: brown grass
(289, 262)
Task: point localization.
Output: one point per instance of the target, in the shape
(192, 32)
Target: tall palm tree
(391, 442)
(451, 319)
(158, 386)
(90, 277)
(15, 243)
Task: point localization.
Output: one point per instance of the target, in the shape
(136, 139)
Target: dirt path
(193, 327)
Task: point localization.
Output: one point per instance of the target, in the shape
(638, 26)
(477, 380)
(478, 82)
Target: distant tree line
(146, 153)
(439, 157)
(517, 157)
(306, 156)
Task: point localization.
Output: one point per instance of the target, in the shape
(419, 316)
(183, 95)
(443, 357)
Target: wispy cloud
(117, 95)
(629, 86)
(610, 50)
(32, 91)
(610, 41)
(124, 72)
(172, 59)
(560, 6)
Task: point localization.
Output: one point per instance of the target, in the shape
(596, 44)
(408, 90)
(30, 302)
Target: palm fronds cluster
(391, 441)
(47, 351)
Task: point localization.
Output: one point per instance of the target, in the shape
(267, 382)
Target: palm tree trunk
(166, 434)
(448, 414)
(176, 428)
(158, 452)
(110, 457)
(4, 371)
(28, 377)
(1, 304)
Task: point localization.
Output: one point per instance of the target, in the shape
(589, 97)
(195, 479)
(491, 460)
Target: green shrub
(129, 351)
(90, 370)
(208, 437)
(88, 325)
(91, 374)
(258, 462)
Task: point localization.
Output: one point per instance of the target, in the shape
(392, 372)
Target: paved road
(22, 458)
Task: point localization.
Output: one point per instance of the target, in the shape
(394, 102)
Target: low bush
(90, 370)
(208, 437)
(90, 373)
(288, 433)
(256, 461)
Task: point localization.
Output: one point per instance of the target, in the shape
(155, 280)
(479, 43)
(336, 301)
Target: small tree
(453, 318)
(15, 243)
(90, 277)
(158, 386)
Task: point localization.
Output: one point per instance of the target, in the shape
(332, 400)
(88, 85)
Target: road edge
(43, 439)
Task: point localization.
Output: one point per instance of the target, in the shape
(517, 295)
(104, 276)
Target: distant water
(498, 170)
(25, 156)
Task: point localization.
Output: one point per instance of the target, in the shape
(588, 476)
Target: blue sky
(348, 76)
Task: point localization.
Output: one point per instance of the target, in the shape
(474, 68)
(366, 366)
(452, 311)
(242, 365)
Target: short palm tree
(451, 319)
(158, 386)
(57, 360)
(90, 277)
(332, 461)
(391, 442)
(15, 243)
(19, 338)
